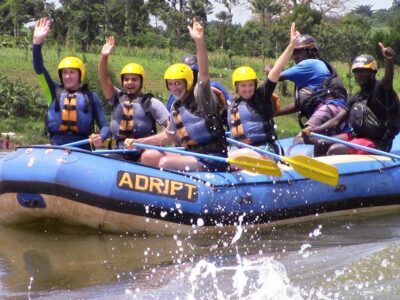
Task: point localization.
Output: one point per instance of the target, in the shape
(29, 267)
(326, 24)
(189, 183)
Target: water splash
(239, 231)
(30, 287)
(263, 278)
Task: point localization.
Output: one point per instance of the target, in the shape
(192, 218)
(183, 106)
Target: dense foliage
(159, 29)
(81, 25)
(18, 99)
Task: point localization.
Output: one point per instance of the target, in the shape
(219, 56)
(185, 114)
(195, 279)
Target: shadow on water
(341, 258)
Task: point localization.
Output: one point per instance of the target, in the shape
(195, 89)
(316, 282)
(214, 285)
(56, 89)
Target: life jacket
(197, 133)
(248, 125)
(133, 119)
(365, 123)
(222, 95)
(332, 90)
(71, 113)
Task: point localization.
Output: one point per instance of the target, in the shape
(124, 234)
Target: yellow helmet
(243, 73)
(72, 62)
(180, 71)
(133, 68)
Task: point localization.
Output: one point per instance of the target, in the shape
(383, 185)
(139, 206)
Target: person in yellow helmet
(73, 108)
(250, 115)
(135, 114)
(194, 119)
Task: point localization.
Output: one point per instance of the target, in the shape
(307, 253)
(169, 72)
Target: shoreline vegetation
(22, 107)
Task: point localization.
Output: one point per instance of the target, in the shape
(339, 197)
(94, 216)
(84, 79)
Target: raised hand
(42, 29)
(387, 52)
(196, 31)
(108, 46)
(294, 34)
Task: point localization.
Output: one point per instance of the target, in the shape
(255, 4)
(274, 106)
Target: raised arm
(389, 54)
(103, 72)
(197, 33)
(275, 73)
(42, 30)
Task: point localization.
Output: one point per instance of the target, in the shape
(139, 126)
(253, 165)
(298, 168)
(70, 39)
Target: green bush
(18, 99)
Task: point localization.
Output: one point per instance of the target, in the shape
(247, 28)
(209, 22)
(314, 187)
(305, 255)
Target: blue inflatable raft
(83, 188)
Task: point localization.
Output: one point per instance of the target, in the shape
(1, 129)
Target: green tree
(247, 39)
(363, 10)
(229, 5)
(306, 18)
(15, 13)
(265, 11)
(342, 41)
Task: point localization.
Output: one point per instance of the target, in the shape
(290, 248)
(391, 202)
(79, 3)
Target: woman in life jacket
(194, 121)
(250, 116)
(222, 94)
(72, 107)
(319, 91)
(135, 114)
(372, 114)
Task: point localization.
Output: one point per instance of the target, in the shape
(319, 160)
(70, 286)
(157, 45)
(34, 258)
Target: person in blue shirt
(72, 108)
(320, 93)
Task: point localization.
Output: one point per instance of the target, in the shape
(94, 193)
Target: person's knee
(150, 157)
(163, 163)
(337, 149)
(320, 148)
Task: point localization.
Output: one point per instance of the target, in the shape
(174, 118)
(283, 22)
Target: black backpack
(364, 122)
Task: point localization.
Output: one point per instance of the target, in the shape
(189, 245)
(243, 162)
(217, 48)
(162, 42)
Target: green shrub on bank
(27, 131)
(18, 98)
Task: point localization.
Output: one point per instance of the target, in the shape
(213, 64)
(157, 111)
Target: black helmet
(306, 42)
(191, 61)
(364, 61)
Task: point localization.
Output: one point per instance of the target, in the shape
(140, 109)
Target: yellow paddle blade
(256, 165)
(313, 169)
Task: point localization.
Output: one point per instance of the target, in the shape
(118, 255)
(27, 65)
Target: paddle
(255, 165)
(355, 146)
(105, 143)
(77, 143)
(304, 165)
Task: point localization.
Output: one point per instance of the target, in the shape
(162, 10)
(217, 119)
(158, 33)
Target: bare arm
(160, 139)
(275, 73)
(287, 110)
(197, 33)
(389, 54)
(103, 71)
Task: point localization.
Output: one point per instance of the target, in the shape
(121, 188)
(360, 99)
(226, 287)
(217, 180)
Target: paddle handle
(244, 145)
(77, 143)
(355, 146)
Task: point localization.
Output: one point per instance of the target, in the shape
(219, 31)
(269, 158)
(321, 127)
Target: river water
(351, 257)
(355, 257)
